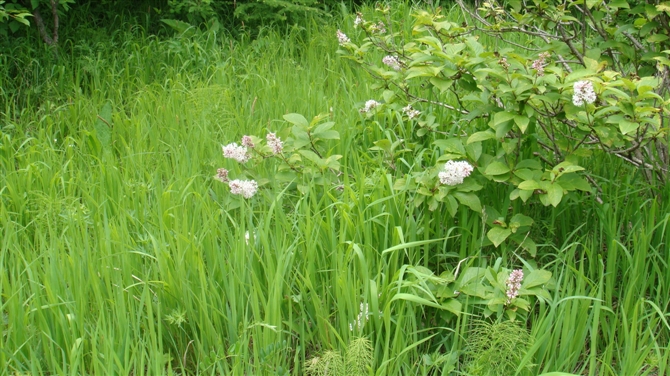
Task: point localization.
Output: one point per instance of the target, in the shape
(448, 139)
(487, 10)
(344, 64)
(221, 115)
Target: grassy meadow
(120, 253)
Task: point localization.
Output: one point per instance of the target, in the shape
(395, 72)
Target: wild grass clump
(497, 349)
(357, 360)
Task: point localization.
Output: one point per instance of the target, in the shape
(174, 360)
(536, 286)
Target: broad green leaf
(521, 220)
(481, 136)
(529, 245)
(332, 162)
(573, 181)
(474, 150)
(471, 275)
(323, 127)
(453, 49)
(529, 163)
(655, 38)
(474, 289)
(422, 71)
(497, 235)
(442, 84)
(453, 306)
(525, 195)
(529, 185)
(470, 200)
(297, 119)
(384, 145)
(451, 145)
(522, 122)
(313, 157)
(430, 41)
(536, 278)
(452, 205)
(501, 117)
(496, 168)
(555, 194)
(327, 135)
(301, 137)
(526, 174)
(566, 167)
(626, 126)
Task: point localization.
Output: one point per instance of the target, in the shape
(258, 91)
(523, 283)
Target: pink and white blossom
(236, 152)
(342, 38)
(583, 93)
(539, 64)
(246, 188)
(274, 143)
(392, 62)
(246, 141)
(221, 175)
(359, 19)
(454, 172)
(410, 112)
(369, 105)
(514, 284)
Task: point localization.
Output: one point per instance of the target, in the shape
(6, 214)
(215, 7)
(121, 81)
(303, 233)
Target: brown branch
(39, 21)
(567, 41)
(635, 42)
(42, 29)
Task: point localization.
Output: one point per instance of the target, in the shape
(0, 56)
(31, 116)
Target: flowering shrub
(499, 291)
(300, 159)
(526, 116)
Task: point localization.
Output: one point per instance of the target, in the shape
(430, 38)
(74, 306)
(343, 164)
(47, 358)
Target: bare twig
(635, 42)
(568, 42)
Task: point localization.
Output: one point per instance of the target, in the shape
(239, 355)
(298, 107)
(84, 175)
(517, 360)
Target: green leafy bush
(528, 115)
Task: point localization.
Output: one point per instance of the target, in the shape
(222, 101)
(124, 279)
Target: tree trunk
(51, 40)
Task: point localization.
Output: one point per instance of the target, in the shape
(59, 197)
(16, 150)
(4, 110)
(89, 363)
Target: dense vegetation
(121, 252)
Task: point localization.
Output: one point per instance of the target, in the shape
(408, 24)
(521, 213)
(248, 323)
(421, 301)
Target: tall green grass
(121, 255)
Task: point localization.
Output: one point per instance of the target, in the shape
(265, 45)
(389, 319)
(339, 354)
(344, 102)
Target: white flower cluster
(236, 152)
(392, 62)
(538, 64)
(514, 284)
(369, 105)
(359, 19)
(379, 28)
(246, 141)
(410, 112)
(455, 172)
(246, 188)
(362, 317)
(342, 38)
(221, 175)
(503, 63)
(583, 93)
(274, 143)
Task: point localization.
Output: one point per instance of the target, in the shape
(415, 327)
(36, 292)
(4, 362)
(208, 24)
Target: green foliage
(356, 362)
(12, 16)
(172, 285)
(525, 119)
(304, 159)
(467, 289)
(497, 349)
(250, 13)
(266, 12)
